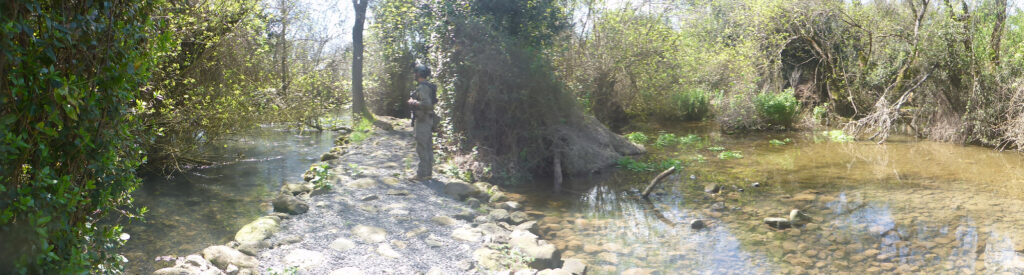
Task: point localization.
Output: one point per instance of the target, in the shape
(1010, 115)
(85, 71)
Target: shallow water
(205, 206)
(904, 207)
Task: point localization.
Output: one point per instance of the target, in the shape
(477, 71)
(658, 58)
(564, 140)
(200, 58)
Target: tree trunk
(358, 101)
(997, 30)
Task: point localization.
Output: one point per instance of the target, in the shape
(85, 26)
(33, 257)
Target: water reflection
(905, 207)
(205, 206)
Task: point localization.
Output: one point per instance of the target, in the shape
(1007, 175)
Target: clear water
(205, 206)
(904, 207)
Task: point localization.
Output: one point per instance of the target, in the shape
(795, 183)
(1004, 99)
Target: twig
(656, 180)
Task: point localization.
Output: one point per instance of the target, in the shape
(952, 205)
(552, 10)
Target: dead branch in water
(656, 180)
(879, 122)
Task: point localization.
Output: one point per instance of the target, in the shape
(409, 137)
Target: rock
(495, 232)
(499, 215)
(391, 181)
(286, 203)
(173, 271)
(289, 240)
(460, 190)
(369, 198)
(257, 230)
(755, 184)
(295, 188)
(530, 226)
(363, 183)
(342, 244)
(308, 175)
(443, 220)
(370, 234)
(575, 266)
(510, 205)
(796, 216)
(395, 192)
(778, 223)
(712, 188)
(608, 257)
(557, 271)
(484, 187)
(473, 202)
(434, 241)
(466, 234)
(487, 259)
(518, 217)
(386, 251)
(347, 271)
(697, 224)
(303, 259)
(542, 252)
(435, 271)
(221, 256)
(466, 215)
(498, 196)
(638, 271)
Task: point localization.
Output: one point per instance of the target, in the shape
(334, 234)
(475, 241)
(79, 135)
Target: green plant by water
(779, 108)
(320, 176)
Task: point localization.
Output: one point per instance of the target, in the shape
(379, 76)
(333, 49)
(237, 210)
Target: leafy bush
(320, 175)
(777, 108)
(69, 133)
(689, 139)
(691, 105)
(637, 137)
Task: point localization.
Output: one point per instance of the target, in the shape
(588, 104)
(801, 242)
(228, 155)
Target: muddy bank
(361, 214)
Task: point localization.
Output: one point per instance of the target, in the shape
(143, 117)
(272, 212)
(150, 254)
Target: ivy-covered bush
(68, 132)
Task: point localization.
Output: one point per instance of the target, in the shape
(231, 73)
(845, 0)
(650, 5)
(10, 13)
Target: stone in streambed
(342, 244)
(499, 215)
(386, 251)
(712, 188)
(460, 190)
(286, 203)
(575, 266)
(698, 224)
(363, 183)
(295, 188)
(303, 259)
(370, 234)
(779, 223)
(221, 256)
(518, 217)
(257, 230)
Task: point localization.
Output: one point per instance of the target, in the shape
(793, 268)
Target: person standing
(422, 101)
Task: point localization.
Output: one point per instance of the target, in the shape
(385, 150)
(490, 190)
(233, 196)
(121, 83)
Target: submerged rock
(370, 234)
(779, 223)
(575, 266)
(460, 190)
(712, 188)
(698, 224)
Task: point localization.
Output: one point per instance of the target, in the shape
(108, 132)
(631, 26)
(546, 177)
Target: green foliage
(69, 131)
(666, 140)
(640, 166)
(730, 155)
(637, 137)
(779, 142)
(362, 130)
(837, 136)
(698, 158)
(690, 139)
(320, 176)
(716, 148)
(778, 109)
(691, 105)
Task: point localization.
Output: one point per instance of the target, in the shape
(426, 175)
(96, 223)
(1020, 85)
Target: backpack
(433, 92)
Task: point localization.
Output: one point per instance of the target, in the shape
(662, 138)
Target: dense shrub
(777, 109)
(690, 105)
(68, 131)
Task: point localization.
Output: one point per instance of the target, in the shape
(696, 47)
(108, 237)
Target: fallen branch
(656, 180)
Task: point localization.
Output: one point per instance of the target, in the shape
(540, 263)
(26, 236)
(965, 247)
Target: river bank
(372, 220)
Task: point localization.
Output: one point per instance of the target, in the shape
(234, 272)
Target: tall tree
(358, 101)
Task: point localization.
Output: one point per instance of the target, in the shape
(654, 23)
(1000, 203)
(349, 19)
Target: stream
(907, 206)
(205, 206)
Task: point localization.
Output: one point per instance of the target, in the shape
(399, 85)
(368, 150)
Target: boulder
(487, 259)
(499, 215)
(286, 203)
(342, 244)
(698, 224)
(221, 256)
(541, 251)
(257, 230)
(530, 226)
(466, 234)
(460, 190)
(510, 205)
(518, 217)
(443, 220)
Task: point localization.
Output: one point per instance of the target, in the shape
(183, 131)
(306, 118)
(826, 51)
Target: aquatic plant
(689, 139)
(730, 155)
(633, 165)
(665, 140)
(779, 142)
(698, 158)
(837, 136)
(637, 137)
(716, 148)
